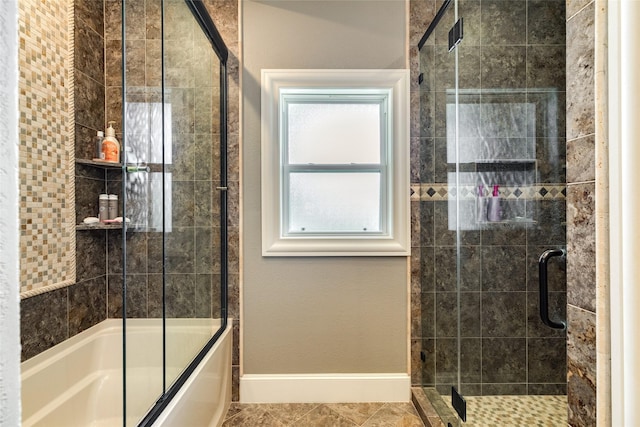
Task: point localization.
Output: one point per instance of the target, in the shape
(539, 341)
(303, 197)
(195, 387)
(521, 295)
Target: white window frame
(394, 238)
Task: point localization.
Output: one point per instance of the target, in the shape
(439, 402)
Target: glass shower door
(439, 207)
(503, 146)
(193, 188)
(174, 187)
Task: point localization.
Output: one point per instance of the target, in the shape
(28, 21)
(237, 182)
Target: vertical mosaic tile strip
(47, 234)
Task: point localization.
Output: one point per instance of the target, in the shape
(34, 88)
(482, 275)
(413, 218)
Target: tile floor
(516, 411)
(323, 415)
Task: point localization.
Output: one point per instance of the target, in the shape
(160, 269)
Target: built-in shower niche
(494, 139)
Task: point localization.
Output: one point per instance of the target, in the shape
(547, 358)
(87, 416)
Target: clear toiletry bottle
(103, 207)
(110, 145)
(98, 150)
(494, 211)
(481, 206)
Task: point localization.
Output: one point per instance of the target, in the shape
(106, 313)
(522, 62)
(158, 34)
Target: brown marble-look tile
(87, 304)
(153, 13)
(153, 63)
(504, 314)
(396, 414)
(235, 383)
(233, 157)
(288, 413)
(548, 389)
(89, 52)
(447, 319)
(323, 416)
(87, 192)
(546, 67)
(557, 312)
(43, 322)
(503, 66)
(446, 267)
(581, 365)
(137, 293)
(471, 361)
(180, 295)
(135, 54)
(155, 302)
(580, 75)
(421, 13)
(180, 250)
(91, 260)
(573, 6)
(546, 360)
(112, 19)
(581, 159)
(427, 315)
(224, 14)
(89, 101)
(504, 268)
(207, 247)
(91, 13)
(204, 296)
(581, 269)
(114, 109)
(252, 416)
(135, 20)
(234, 289)
(552, 163)
(356, 412)
(504, 360)
(544, 18)
(502, 22)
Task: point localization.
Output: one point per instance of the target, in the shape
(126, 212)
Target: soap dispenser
(110, 145)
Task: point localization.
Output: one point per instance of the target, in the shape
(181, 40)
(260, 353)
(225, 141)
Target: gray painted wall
(317, 315)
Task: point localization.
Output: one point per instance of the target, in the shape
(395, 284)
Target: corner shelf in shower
(99, 163)
(81, 227)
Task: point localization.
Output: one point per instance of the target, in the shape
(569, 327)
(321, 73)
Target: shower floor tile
(322, 415)
(516, 411)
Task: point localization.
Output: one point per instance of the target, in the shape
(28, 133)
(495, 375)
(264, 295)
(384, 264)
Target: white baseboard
(325, 388)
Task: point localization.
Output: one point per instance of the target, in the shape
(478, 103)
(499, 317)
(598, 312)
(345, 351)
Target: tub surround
(86, 372)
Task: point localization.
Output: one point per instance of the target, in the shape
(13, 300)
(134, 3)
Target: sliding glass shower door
(492, 115)
(174, 186)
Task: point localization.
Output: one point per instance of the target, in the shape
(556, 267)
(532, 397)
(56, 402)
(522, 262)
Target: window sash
(317, 96)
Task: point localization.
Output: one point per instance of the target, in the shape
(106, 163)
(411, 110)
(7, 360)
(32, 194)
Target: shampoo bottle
(110, 145)
(494, 213)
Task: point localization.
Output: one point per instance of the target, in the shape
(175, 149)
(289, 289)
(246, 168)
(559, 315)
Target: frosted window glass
(340, 202)
(334, 133)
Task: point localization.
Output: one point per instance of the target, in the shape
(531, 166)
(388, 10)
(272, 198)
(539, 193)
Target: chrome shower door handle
(544, 288)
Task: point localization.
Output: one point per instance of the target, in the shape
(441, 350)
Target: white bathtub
(79, 381)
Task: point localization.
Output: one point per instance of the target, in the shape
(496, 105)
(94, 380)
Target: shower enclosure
(492, 200)
(173, 182)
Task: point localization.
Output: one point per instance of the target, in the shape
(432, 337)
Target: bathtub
(79, 381)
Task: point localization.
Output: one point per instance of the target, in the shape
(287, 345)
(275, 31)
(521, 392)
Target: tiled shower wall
(51, 317)
(518, 49)
(582, 105)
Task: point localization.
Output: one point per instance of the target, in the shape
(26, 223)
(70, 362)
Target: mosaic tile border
(47, 184)
(442, 192)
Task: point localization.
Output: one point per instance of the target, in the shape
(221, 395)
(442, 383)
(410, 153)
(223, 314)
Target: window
(335, 162)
